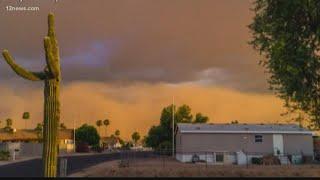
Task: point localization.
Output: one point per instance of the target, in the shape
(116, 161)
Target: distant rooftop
(242, 128)
(30, 135)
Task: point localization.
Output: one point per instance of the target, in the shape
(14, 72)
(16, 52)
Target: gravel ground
(158, 167)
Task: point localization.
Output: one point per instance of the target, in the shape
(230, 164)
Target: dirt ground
(158, 167)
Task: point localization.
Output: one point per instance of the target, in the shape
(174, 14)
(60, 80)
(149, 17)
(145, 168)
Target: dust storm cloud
(136, 107)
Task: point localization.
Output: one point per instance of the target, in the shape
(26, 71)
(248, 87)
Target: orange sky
(136, 107)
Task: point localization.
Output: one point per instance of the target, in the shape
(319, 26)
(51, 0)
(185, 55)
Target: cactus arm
(51, 62)
(33, 76)
(51, 47)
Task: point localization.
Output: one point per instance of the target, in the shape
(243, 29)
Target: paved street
(33, 168)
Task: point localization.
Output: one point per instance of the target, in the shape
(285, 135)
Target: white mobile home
(238, 143)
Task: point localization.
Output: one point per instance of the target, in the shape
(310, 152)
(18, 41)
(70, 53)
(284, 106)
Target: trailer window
(219, 157)
(258, 138)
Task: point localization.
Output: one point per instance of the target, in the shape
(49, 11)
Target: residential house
(111, 142)
(28, 143)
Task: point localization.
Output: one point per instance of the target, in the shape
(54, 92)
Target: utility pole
(173, 126)
(74, 135)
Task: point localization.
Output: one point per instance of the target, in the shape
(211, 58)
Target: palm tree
(62, 126)
(135, 137)
(25, 116)
(117, 133)
(39, 129)
(8, 124)
(106, 123)
(99, 123)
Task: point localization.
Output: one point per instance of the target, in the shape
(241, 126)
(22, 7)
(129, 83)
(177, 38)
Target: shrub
(270, 160)
(4, 155)
(256, 160)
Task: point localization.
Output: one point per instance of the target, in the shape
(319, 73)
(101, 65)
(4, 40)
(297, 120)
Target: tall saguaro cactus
(51, 75)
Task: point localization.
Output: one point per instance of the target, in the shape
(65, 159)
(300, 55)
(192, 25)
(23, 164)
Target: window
(258, 138)
(219, 157)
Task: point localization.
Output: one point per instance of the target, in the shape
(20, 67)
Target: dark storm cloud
(172, 41)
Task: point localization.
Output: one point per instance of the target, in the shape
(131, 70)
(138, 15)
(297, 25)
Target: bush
(256, 160)
(270, 160)
(4, 155)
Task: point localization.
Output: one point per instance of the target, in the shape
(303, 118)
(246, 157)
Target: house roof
(110, 140)
(242, 128)
(29, 134)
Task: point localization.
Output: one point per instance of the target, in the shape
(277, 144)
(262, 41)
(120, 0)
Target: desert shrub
(4, 155)
(270, 160)
(256, 160)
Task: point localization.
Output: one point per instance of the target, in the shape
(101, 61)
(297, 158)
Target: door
(278, 144)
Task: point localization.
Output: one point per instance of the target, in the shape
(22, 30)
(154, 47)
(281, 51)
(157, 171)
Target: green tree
(200, 118)
(163, 132)
(235, 122)
(9, 122)
(26, 115)
(287, 34)
(117, 133)
(156, 135)
(39, 130)
(87, 134)
(135, 137)
(8, 126)
(39, 127)
(99, 124)
(183, 114)
(106, 123)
